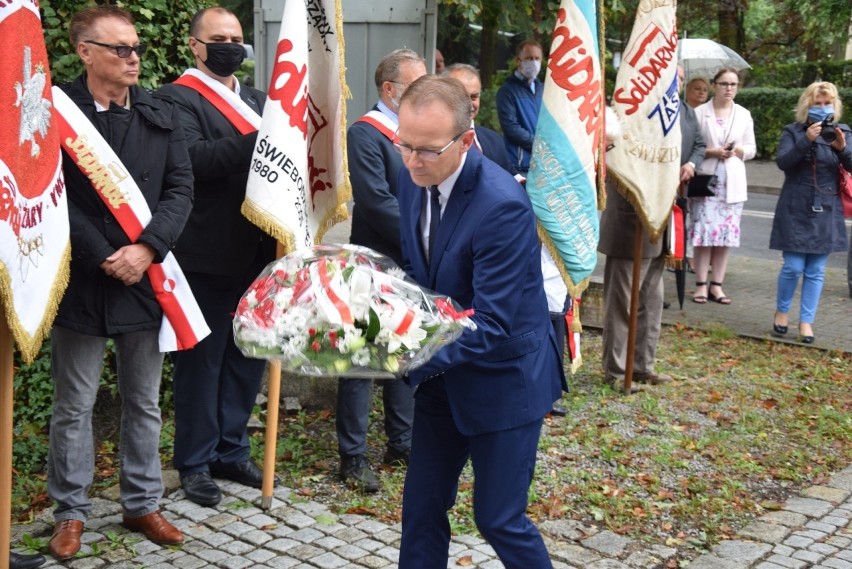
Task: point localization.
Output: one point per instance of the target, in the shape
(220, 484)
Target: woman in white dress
(728, 130)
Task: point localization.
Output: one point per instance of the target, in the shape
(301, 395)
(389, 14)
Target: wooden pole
(634, 307)
(7, 392)
(271, 443)
(272, 406)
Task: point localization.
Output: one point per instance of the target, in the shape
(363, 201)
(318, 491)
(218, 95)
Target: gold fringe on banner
(29, 346)
(574, 289)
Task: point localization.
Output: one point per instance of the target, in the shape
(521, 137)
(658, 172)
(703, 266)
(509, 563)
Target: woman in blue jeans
(808, 223)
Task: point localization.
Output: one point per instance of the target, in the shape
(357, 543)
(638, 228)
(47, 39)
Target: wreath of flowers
(332, 310)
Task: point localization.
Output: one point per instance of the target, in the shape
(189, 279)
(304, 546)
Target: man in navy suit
(484, 396)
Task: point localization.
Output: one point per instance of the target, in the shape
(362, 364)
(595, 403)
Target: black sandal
(720, 299)
(700, 299)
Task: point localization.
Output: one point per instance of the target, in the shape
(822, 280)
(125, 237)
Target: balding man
(221, 252)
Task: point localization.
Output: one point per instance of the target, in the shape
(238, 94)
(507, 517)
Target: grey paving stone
(842, 480)
(261, 521)
(473, 557)
(374, 562)
(835, 520)
(237, 547)
(212, 555)
(368, 544)
(389, 553)
(808, 506)
(468, 540)
(782, 549)
(296, 519)
(839, 541)
(256, 537)
(643, 560)
(787, 562)
(837, 564)
(219, 521)
(767, 565)
(713, 562)
(572, 554)
(304, 552)
(496, 564)
(823, 548)
(767, 533)
(388, 536)
(329, 560)
(608, 564)
(351, 552)
(739, 550)
(812, 534)
(846, 555)
(191, 562)
(216, 539)
(282, 545)
(351, 535)
(306, 535)
(809, 556)
(235, 563)
(281, 562)
(827, 493)
(372, 526)
(607, 542)
(822, 526)
(798, 541)
(199, 514)
(785, 518)
(260, 555)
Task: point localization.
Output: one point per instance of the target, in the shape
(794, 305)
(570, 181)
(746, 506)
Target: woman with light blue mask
(808, 223)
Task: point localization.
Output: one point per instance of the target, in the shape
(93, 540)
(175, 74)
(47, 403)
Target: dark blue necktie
(435, 220)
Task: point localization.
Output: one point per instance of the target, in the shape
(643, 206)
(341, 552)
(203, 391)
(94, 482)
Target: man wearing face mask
(221, 252)
(518, 103)
(373, 167)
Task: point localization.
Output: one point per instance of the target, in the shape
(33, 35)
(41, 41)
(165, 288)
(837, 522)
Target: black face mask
(224, 59)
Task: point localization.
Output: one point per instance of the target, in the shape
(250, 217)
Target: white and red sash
(382, 123)
(183, 324)
(227, 102)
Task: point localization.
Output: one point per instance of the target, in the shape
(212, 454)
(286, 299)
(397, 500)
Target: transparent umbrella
(703, 57)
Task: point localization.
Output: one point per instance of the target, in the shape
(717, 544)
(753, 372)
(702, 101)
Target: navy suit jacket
(494, 148)
(374, 166)
(487, 257)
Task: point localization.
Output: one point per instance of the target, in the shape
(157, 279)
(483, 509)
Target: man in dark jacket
(109, 294)
(618, 226)
(518, 103)
(221, 253)
(374, 165)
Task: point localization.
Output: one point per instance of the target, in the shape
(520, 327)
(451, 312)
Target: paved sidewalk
(811, 530)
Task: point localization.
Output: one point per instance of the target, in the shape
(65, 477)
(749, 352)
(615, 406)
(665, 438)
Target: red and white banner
(298, 184)
(34, 243)
(183, 324)
(645, 162)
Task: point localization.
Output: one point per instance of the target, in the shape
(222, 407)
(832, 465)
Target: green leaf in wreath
(373, 327)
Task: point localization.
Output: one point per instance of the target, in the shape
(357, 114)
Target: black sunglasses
(122, 51)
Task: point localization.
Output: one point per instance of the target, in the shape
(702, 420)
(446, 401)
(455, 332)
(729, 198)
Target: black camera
(828, 133)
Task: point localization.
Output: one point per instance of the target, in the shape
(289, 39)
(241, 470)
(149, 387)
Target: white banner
(298, 185)
(645, 162)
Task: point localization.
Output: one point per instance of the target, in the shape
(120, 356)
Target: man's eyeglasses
(727, 85)
(122, 51)
(425, 154)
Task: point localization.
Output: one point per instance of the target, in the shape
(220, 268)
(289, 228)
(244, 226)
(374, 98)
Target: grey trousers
(76, 364)
(618, 276)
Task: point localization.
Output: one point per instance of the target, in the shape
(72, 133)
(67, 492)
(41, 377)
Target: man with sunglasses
(110, 295)
(373, 169)
(221, 252)
(468, 231)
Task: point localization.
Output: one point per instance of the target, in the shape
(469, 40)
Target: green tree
(162, 24)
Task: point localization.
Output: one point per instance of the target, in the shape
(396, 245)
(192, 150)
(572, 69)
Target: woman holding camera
(808, 223)
(728, 130)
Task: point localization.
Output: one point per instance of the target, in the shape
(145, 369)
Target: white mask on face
(529, 68)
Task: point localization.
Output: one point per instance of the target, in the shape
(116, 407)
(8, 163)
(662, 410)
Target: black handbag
(701, 186)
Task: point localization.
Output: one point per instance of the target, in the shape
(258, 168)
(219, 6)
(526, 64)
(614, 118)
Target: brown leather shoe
(65, 542)
(652, 378)
(155, 527)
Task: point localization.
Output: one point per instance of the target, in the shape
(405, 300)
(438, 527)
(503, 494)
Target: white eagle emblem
(35, 109)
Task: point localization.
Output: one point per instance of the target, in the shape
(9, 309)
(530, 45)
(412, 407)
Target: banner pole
(6, 408)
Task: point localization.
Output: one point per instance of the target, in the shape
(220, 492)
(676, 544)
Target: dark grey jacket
(149, 141)
(799, 225)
